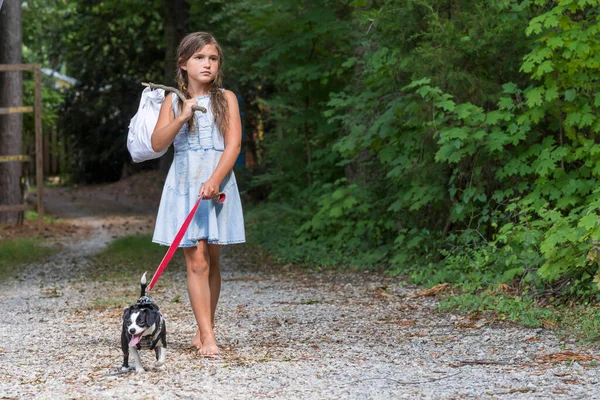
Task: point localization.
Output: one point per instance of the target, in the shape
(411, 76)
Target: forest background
(447, 141)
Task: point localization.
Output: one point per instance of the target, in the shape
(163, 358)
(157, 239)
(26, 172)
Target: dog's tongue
(135, 339)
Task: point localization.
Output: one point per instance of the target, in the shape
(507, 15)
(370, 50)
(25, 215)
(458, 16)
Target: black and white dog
(143, 326)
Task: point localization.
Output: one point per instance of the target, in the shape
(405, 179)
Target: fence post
(38, 145)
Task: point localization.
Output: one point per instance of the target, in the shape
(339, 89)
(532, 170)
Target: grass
(123, 262)
(581, 321)
(521, 310)
(272, 227)
(33, 216)
(110, 303)
(129, 257)
(18, 252)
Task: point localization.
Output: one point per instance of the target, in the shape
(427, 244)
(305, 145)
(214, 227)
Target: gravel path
(285, 334)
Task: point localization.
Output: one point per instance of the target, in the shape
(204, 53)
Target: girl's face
(203, 65)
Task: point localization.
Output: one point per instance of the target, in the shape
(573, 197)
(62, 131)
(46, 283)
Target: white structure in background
(60, 81)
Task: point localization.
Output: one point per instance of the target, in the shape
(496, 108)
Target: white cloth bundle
(142, 125)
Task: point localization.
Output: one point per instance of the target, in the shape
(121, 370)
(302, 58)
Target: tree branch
(406, 382)
(172, 89)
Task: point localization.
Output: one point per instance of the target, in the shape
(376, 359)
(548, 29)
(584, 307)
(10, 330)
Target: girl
(206, 148)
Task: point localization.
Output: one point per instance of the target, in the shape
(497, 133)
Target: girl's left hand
(208, 190)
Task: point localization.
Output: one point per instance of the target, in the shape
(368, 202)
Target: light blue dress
(196, 157)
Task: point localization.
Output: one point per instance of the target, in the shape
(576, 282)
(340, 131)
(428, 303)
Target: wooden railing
(39, 162)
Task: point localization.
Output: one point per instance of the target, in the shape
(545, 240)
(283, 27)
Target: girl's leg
(197, 265)
(214, 283)
(214, 278)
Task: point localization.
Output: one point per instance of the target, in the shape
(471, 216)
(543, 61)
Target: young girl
(205, 151)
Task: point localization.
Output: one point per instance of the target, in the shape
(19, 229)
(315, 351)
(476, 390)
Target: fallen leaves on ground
(439, 288)
(31, 229)
(511, 391)
(565, 356)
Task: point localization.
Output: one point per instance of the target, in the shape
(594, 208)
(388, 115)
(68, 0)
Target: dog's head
(138, 319)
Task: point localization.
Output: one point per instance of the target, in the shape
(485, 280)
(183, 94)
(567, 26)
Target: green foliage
(473, 131)
(109, 47)
(33, 216)
(449, 141)
(538, 172)
(292, 55)
(519, 309)
(273, 227)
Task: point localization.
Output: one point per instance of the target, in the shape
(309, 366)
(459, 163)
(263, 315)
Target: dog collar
(144, 301)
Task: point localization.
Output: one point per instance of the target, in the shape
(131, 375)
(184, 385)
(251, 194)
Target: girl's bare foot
(209, 346)
(197, 343)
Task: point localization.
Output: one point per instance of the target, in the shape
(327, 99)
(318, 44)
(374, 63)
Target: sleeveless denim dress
(196, 157)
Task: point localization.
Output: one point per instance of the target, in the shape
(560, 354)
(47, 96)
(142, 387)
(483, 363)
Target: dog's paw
(158, 364)
(124, 369)
(139, 370)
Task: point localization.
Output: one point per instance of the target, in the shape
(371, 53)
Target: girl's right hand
(186, 109)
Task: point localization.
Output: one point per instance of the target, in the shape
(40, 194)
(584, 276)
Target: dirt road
(285, 333)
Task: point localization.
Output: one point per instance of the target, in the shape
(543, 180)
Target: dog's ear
(151, 317)
(126, 314)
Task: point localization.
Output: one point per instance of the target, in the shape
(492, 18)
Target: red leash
(163, 264)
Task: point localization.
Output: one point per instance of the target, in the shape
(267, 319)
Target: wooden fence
(37, 110)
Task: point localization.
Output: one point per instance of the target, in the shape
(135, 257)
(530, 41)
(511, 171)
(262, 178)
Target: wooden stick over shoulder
(176, 91)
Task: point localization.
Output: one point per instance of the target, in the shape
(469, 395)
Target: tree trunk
(307, 142)
(356, 171)
(176, 14)
(11, 95)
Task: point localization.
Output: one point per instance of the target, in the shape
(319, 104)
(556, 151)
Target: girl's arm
(167, 125)
(233, 144)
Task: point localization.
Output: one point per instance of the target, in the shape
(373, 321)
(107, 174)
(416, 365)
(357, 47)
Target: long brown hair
(188, 46)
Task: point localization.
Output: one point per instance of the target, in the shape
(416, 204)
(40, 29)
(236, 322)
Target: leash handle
(220, 197)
